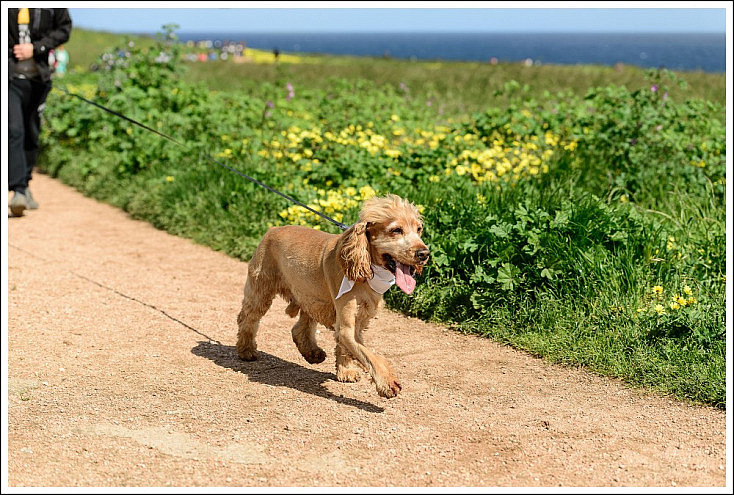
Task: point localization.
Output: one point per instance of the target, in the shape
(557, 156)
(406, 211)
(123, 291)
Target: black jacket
(49, 29)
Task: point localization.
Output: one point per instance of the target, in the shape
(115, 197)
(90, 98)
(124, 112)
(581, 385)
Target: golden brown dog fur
(306, 267)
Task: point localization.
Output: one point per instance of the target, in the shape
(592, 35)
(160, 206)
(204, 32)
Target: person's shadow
(271, 370)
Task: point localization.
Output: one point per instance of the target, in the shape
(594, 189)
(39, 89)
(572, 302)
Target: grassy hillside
(452, 88)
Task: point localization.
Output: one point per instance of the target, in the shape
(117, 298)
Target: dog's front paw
(348, 375)
(247, 354)
(315, 356)
(390, 389)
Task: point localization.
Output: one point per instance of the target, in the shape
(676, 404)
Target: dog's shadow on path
(271, 370)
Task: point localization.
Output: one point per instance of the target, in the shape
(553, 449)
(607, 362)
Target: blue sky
(128, 17)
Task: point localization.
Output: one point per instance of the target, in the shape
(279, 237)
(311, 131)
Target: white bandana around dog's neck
(380, 282)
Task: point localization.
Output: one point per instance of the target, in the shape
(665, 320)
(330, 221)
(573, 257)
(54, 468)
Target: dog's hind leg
(304, 335)
(255, 303)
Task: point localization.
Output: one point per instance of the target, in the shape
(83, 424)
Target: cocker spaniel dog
(337, 281)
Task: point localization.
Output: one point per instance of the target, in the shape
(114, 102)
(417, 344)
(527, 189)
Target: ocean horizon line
(563, 33)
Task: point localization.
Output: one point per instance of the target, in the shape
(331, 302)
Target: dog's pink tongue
(403, 278)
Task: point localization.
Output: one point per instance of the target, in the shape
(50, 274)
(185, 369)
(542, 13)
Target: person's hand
(23, 51)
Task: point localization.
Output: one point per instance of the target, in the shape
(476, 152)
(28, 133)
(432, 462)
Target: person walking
(32, 33)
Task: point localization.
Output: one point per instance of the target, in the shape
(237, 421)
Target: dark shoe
(32, 204)
(18, 204)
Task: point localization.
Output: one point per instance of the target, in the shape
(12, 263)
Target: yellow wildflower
(367, 192)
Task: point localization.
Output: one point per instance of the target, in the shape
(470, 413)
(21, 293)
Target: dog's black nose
(422, 255)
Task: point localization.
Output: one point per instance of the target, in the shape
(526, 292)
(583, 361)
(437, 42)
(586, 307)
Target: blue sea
(680, 52)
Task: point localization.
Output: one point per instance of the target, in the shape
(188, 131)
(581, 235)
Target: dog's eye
(396, 230)
(420, 230)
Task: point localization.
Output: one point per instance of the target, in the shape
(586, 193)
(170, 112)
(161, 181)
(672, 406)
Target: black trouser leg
(25, 103)
(18, 95)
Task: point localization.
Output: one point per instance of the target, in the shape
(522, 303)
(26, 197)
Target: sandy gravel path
(122, 372)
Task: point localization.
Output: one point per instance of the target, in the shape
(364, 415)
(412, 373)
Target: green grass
(454, 88)
(572, 212)
(85, 46)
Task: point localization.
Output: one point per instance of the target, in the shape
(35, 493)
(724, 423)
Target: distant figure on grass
(62, 61)
(32, 34)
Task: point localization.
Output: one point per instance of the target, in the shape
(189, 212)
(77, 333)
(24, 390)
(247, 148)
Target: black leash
(259, 183)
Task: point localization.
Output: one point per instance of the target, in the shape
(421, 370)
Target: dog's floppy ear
(354, 254)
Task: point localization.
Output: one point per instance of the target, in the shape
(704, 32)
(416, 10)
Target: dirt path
(122, 372)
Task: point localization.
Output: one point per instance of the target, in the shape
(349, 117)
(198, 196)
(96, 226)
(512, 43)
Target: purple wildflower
(291, 92)
(654, 88)
(266, 112)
